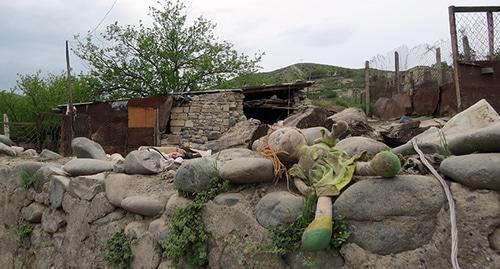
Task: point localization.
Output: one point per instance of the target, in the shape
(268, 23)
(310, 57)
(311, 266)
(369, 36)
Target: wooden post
(396, 67)
(439, 67)
(70, 95)
(6, 130)
(491, 33)
(367, 88)
(454, 47)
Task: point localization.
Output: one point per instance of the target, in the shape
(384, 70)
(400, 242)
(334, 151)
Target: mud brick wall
(207, 117)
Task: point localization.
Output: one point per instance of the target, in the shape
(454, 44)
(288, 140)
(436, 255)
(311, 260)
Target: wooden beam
(476, 9)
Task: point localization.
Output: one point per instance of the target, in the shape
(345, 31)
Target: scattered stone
(48, 155)
(307, 118)
(33, 212)
(279, 208)
(146, 206)
(85, 148)
(478, 171)
(6, 150)
(81, 167)
(400, 133)
(247, 170)
(158, 228)
(86, 187)
(356, 145)
(144, 162)
(195, 175)
(29, 153)
(5, 140)
(228, 199)
(57, 188)
(18, 150)
(40, 239)
(494, 240)
(99, 207)
(314, 133)
(52, 220)
(386, 214)
(111, 217)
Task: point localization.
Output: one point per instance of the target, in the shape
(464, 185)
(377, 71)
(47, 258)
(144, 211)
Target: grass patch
(27, 178)
(24, 232)
(187, 238)
(118, 252)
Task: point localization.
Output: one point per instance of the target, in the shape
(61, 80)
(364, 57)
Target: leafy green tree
(171, 54)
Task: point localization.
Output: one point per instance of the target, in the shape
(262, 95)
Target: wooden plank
(476, 9)
(141, 117)
(454, 47)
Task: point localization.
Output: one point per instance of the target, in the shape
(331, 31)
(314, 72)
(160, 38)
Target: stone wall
(207, 117)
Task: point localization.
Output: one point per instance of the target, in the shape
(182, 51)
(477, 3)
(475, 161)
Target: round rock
(146, 206)
(85, 148)
(195, 175)
(247, 170)
(81, 167)
(143, 162)
(278, 208)
(478, 171)
(358, 144)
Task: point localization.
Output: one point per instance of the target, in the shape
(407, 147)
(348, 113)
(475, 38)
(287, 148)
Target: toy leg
(318, 234)
(384, 164)
(301, 186)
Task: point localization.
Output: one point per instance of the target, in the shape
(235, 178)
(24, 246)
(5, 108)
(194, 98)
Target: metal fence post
(396, 67)
(439, 67)
(491, 33)
(367, 88)
(6, 129)
(454, 47)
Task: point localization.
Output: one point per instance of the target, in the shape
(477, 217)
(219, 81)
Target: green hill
(334, 85)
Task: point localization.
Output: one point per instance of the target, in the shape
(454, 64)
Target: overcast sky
(343, 33)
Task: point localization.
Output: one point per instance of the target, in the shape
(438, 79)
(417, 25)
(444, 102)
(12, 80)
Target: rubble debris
(243, 134)
(398, 134)
(478, 171)
(144, 162)
(33, 212)
(356, 120)
(85, 148)
(48, 155)
(307, 118)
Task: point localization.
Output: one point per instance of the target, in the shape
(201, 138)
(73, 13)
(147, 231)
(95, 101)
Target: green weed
(118, 252)
(24, 232)
(27, 178)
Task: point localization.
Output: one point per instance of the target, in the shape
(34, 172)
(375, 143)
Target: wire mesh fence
(478, 35)
(44, 133)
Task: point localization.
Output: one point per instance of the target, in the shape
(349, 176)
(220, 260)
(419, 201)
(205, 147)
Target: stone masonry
(207, 116)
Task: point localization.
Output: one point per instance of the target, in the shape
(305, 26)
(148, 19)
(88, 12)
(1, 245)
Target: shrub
(187, 237)
(27, 178)
(25, 231)
(118, 252)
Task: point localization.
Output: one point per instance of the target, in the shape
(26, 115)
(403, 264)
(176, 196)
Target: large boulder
(121, 186)
(235, 153)
(478, 171)
(195, 175)
(247, 170)
(356, 145)
(144, 162)
(6, 150)
(386, 214)
(85, 148)
(81, 167)
(5, 140)
(279, 208)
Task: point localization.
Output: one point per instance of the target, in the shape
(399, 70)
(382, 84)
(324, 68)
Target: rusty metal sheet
(425, 99)
(140, 137)
(448, 99)
(475, 86)
(404, 101)
(387, 109)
